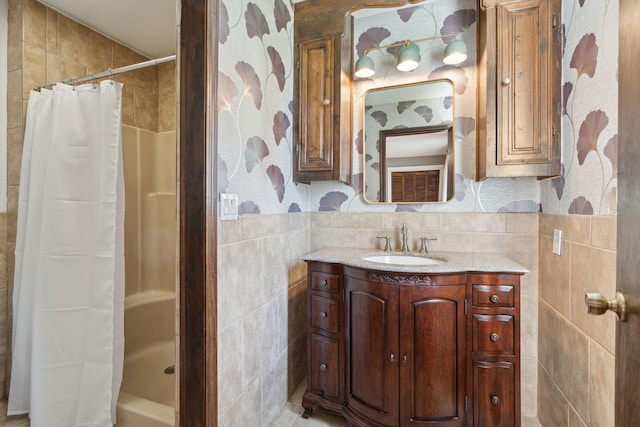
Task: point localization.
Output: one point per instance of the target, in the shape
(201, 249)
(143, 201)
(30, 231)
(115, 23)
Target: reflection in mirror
(415, 164)
(408, 155)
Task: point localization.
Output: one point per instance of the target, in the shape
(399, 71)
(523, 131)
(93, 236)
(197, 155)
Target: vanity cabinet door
(372, 350)
(432, 347)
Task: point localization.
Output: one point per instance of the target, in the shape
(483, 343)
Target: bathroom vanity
(434, 343)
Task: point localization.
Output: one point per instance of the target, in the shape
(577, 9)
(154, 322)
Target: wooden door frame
(627, 362)
(197, 58)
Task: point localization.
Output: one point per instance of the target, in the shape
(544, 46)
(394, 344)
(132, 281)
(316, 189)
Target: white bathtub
(147, 394)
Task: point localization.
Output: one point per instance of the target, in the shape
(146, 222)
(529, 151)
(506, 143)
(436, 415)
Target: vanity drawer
(493, 334)
(324, 313)
(494, 394)
(321, 281)
(493, 296)
(324, 366)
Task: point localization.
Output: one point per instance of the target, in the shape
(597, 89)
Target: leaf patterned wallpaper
(255, 93)
(590, 111)
(255, 82)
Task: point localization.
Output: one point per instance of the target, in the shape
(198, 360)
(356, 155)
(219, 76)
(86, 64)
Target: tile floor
(291, 415)
(17, 421)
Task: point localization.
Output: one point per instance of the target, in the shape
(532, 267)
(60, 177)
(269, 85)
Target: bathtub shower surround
(68, 338)
(147, 396)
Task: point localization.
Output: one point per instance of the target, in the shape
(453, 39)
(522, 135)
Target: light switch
(228, 207)
(557, 242)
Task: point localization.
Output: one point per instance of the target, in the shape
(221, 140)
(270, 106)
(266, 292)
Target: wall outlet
(557, 242)
(228, 207)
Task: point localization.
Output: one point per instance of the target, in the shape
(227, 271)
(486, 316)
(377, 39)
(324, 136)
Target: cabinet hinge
(555, 30)
(298, 63)
(298, 146)
(466, 307)
(466, 404)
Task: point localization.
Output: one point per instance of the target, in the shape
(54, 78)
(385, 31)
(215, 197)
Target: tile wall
(261, 315)
(576, 350)
(44, 47)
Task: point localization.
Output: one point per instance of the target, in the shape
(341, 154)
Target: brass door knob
(598, 304)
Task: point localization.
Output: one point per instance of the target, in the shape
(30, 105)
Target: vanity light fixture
(409, 55)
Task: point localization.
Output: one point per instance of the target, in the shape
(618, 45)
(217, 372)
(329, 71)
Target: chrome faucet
(405, 246)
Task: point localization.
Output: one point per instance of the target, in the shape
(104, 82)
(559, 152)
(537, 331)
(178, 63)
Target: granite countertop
(454, 262)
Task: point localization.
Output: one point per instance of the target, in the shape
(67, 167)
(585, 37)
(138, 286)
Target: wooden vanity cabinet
(397, 349)
(519, 88)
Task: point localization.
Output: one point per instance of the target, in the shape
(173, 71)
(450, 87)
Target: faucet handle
(387, 242)
(423, 243)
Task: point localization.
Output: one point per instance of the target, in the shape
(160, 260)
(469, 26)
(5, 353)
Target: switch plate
(228, 207)
(557, 242)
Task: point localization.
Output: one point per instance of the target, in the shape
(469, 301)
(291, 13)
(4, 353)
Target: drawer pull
(495, 400)
(323, 283)
(323, 367)
(323, 314)
(494, 299)
(495, 337)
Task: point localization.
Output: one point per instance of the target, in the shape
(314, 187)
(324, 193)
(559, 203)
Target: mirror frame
(406, 131)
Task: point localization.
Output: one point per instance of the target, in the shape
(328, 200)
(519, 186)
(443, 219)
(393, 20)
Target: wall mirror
(409, 143)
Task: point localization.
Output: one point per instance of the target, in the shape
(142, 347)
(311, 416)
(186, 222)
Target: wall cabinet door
(519, 102)
(432, 347)
(316, 94)
(372, 350)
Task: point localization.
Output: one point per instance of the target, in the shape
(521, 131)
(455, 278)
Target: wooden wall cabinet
(322, 99)
(519, 88)
(322, 118)
(396, 349)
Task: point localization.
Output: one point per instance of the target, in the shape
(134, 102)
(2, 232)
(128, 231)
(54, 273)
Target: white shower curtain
(68, 301)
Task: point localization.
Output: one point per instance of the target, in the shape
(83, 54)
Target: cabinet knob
(323, 314)
(326, 102)
(323, 283)
(495, 337)
(494, 299)
(506, 81)
(323, 367)
(495, 400)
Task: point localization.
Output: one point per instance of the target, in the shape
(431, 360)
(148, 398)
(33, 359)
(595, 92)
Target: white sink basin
(402, 260)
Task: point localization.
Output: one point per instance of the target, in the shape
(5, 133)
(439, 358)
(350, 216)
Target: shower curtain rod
(111, 72)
